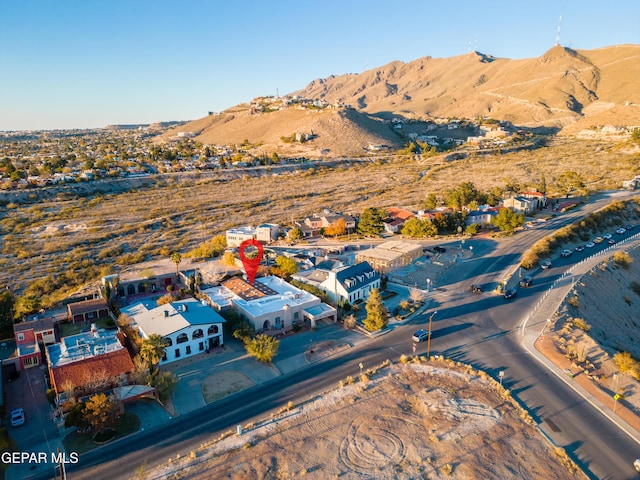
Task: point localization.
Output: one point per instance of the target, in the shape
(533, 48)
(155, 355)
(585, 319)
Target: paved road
(481, 330)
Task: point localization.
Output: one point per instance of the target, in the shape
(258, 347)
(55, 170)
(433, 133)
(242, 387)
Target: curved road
(481, 330)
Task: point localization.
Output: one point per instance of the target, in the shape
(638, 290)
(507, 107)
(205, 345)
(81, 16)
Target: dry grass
(66, 241)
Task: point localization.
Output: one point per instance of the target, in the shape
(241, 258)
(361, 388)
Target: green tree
(419, 228)
(462, 195)
(101, 412)
(75, 417)
(153, 349)
(211, 248)
(472, 229)
(377, 314)
(7, 313)
(507, 221)
(285, 267)
(164, 383)
(176, 258)
(431, 202)
(296, 233)
(569, 182)
(542, 185)
(371, 221)
(262, 347)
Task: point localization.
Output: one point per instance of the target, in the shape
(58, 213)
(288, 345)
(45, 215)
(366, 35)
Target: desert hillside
(553, 90)
(333, 132)
(564, 89)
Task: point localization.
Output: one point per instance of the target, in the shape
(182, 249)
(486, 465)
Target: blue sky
(91, 63)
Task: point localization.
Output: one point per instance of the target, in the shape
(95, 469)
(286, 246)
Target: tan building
(390, 255)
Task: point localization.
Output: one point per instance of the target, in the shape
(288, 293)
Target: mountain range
(565, 90)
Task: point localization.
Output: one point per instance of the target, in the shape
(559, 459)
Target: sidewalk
(541, 346)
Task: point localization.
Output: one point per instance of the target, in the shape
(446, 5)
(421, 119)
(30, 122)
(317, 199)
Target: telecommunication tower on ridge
(558, 34)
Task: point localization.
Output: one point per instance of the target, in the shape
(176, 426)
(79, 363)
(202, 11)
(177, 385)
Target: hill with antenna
(562, 89)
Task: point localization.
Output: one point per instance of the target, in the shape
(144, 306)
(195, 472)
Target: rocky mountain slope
(563, 88)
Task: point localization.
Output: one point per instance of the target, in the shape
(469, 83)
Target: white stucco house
(189, 326)
(271, 303)
(350, 283)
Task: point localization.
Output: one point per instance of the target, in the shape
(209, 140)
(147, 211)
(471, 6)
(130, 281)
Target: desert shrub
(623, 259)
(574, 301)
(627, 364)
(581, 352)
(350, 321)
(581, 324)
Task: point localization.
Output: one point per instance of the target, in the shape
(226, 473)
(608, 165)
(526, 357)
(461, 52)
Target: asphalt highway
(482, 330)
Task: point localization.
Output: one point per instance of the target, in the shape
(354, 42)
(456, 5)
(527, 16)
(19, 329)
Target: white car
(420, 336)
(607, 236)
(17, 417)
(589, 244)
(636, 464)
(621, 230)
(566, 253)
(545, 265)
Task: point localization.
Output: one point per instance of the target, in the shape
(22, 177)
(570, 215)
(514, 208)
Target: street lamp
(429, 335)
(501, 375)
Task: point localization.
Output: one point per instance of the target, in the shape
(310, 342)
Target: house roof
(86, 306)
(39, 325)
(399, 213)
(246, 291)
(110, 364)
(181, 314)
(357, 276)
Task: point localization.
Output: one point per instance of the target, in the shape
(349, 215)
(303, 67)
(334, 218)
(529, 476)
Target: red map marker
(251, 264)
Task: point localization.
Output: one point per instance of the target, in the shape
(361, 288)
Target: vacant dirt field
(413, 420)
(69, 239)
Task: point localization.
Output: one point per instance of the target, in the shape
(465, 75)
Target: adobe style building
(87, 310)
(390, 255)
(271, 303)
(88, 363)
(265, 234)
(189, 327)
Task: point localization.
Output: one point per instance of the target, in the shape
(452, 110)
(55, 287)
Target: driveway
(39, 434)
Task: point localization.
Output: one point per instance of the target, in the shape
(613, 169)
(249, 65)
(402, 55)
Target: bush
(581, 324)
(627, 364)
(574, 301)
(623, 259)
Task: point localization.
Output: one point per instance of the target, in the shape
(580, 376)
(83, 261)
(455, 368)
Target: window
(30, 361)
(177, 353)
(201, 346)
(188, 350)
(20, 337)
(198, 334)
(213, 329)
(168, 342)
(182, 338)
(91, 314)
(296, 315)
(164, 357)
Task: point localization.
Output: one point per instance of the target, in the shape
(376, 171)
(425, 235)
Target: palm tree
(176, 258)
(153, 349)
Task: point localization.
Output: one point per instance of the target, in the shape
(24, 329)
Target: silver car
(17, 417)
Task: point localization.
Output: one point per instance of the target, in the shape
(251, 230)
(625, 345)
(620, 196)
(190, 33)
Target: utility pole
(429, 335)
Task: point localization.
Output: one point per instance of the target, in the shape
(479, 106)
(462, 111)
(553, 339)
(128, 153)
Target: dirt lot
(412, 420)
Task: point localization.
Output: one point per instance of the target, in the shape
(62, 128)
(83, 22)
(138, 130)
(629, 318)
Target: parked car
(475, 288)
(629, 227)
(621, 230)
(579, 248)
(526, 281)
(546, 264)
(589, 244)
(611, 241)
(511, 293)
(439, 249)
(607, 236)
(566, 253)
(598, 240)
(420, 336)
(17, 417)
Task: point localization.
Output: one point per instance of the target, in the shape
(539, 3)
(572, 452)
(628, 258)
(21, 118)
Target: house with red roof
(30, 337)
(88, 363)
(87, 310)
